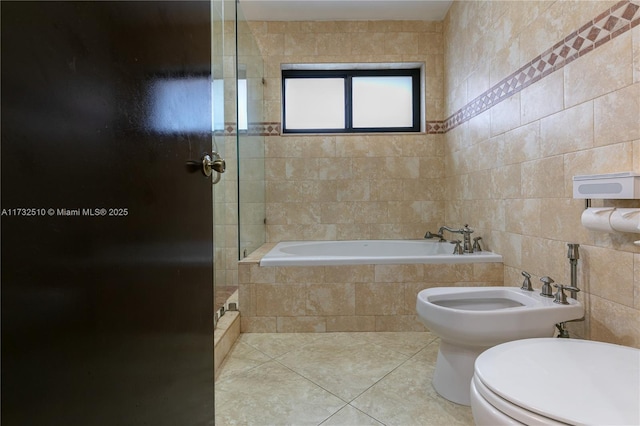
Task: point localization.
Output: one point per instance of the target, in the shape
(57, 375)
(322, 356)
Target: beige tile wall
(581, 119)
(329, 187)
(345, 298)
(507, 172)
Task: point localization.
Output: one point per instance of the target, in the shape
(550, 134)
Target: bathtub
(354, 252)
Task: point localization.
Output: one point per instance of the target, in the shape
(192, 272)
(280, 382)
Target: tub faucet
(466, 236)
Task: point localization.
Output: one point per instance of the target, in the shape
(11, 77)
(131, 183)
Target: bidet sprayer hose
(573, 254)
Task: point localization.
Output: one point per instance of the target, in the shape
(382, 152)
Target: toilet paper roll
(597, 218)
(625, 220)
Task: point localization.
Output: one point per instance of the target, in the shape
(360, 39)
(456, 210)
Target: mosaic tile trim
(264, 129)
(268, 128)
(605, 27)
(435, 127)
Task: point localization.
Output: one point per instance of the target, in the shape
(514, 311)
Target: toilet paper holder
(611, 219)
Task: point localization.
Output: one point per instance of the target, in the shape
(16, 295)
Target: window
(353, 100)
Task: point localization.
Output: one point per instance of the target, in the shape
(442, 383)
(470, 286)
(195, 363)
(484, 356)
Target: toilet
(470, 320)
(554, 381)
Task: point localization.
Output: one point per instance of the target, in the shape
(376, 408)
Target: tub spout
(466, 236)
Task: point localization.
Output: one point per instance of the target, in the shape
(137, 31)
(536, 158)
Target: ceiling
(346, 10)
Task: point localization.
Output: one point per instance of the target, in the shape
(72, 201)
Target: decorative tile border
(434, 127)
(268, 128)
(605, 27)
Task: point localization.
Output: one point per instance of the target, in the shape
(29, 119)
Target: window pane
(382, 102)
(314, 103)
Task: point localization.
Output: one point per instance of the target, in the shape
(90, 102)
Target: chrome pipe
(573, 254)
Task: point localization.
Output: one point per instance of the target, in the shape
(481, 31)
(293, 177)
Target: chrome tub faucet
(466, 232)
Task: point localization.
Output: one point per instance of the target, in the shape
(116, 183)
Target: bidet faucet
(526, 284)
(561, 298)
(546, 287)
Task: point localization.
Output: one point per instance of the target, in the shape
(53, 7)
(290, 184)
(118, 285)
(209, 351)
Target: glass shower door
(252, 130)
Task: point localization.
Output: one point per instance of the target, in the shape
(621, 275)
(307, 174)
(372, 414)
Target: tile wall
(569, 86)
(502, 163)
(353, 186)
(345, 298)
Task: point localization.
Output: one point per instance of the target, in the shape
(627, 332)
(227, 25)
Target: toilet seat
(502, 409)
(560, 381)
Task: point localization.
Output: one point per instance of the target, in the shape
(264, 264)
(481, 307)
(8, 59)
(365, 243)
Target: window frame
(347, 75)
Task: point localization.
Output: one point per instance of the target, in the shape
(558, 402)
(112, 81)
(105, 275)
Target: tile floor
(333, 379)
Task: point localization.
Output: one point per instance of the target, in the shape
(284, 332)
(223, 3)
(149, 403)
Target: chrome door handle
(213, 163)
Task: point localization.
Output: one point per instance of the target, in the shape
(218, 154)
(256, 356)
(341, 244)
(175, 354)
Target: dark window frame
(347, 75)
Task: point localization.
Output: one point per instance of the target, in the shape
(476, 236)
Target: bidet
(470, 320)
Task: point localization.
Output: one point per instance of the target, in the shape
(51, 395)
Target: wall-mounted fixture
(624, 185)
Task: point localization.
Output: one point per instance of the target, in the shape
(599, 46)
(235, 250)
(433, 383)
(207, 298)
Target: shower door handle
(213, 163)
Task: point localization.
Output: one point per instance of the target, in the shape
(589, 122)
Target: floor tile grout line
(224, 362)
(311, 381)
(361, 340)
(389, 373)
(278, 357)
(342, 402)
(289, 350)
(318, 386)
(355, 408)
(410, 357)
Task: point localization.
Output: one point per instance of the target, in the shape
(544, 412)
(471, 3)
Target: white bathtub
(314, 253)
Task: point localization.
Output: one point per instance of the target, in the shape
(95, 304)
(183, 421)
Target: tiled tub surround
(340, 187)
(506, 171)
(287, 299)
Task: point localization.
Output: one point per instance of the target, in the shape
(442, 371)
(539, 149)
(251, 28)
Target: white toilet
(470, 320)
(553, 381)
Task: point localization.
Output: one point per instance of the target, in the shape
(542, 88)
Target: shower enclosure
(239, 200)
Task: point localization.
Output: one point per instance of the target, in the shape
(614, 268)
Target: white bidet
(470, 320)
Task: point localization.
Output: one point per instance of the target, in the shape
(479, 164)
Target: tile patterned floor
(333, 379)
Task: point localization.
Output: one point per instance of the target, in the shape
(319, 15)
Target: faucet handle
(546, 287)
(561, 298)
(458, 248)
(476, 244)
(526, 284)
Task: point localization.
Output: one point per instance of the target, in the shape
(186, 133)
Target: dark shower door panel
(107, 251)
